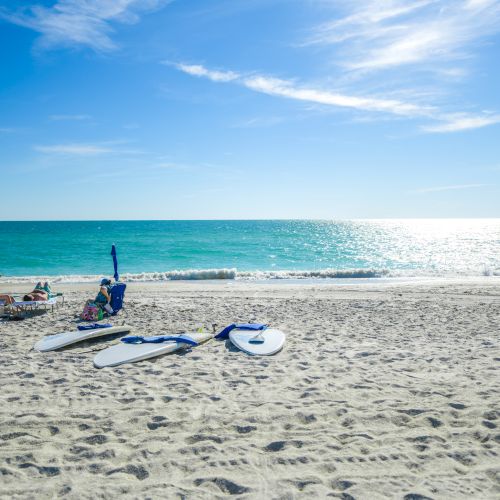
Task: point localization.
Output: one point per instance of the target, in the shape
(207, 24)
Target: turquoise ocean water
(246, 250)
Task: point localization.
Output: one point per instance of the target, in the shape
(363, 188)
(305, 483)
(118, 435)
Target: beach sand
(382, 391)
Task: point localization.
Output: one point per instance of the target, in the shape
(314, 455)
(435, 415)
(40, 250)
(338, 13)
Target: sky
(249, 109)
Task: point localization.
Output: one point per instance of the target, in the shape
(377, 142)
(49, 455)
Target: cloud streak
(288, 89)
(84, 149)
(77, 23)
(199, 70)
(459, 122)
(406, 39)
(446, 122)
(449, 188)
(74, 149)
(404, 32)
(60, 118)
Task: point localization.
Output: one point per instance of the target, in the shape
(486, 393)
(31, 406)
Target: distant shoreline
(304, 284)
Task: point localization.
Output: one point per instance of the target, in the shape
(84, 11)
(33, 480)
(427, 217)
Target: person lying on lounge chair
(40, 293)
(6, 299)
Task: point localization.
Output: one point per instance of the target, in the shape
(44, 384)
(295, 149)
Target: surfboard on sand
(130, 353)
(258, 343)
(52, 342)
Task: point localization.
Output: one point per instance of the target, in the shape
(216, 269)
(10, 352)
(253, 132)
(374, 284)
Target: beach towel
(94, 326)
(224, 334)
(158, 339)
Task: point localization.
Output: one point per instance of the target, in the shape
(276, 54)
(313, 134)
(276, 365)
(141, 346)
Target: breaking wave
(234, 274)
(323, 273)
(208, 274)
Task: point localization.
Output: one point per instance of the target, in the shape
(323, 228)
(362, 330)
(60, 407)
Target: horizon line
(254, 219)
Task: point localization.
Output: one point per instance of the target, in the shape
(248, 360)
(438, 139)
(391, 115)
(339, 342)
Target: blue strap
(224, 334)
(95, 326)
(158, 339)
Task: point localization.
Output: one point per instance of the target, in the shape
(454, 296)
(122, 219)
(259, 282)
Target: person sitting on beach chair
(103, 298)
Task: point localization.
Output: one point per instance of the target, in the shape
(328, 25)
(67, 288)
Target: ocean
(248, 250)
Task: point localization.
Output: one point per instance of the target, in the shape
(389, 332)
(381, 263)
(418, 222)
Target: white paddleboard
(273, 341)
(130, 353)
(52, 342)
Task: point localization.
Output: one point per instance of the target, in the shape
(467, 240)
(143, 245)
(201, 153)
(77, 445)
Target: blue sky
(151, 109)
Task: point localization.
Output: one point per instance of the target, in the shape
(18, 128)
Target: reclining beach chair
(23, 308)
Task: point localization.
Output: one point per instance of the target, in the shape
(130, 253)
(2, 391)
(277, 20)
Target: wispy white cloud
(172, 166)
(378, 35)
(75, 149)
(460, 121)
(79, 22)
(58, 118)
(289, 89)
(454, 187)
(363, 16)
(85, 149)
(199, 70)
(260, 121)
(426, 42)
(284, 88)
(446, 122)
(7, 130)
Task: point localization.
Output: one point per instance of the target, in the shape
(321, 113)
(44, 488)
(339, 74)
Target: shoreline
(493, 280)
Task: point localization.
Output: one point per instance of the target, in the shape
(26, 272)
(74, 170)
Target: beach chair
(117, 296)
(24, 308)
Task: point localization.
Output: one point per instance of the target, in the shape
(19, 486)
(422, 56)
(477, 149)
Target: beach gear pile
(255, 339)
(251, 338)
(91, 312)
(95, 311)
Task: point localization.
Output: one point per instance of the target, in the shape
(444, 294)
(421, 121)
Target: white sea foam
(313, 274)
(190, 274)
(234, 274)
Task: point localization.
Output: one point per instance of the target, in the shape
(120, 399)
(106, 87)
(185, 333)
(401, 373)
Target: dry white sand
(380, 392)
